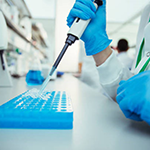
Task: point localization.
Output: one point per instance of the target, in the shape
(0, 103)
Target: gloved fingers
(121, 82)
(120, 96)
(135, 77)
(70, 21)
(120, 88)
(85, 9)
(88, 3)
(125, 107)
(123, 85)
(135, 117)
(81, 11)
(104, 2)
(73, 14)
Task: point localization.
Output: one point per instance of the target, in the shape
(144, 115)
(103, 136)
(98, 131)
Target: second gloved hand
(134, 97)
(95, 36)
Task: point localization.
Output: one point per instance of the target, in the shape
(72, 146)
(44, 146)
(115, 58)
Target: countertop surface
(98, 122)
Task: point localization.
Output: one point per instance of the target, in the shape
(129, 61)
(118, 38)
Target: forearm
(102, 56)
(110, 71)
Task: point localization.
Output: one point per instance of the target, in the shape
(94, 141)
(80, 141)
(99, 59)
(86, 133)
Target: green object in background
(140, 53)
(18, 51)
(140, 56)
(7, 54)
(145, 66)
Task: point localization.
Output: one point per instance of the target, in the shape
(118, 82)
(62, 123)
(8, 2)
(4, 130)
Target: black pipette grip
(69, 41)
(60, 55)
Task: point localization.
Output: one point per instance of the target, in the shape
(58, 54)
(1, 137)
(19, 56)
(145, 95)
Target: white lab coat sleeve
(111, 72)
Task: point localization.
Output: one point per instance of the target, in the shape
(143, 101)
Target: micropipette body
(75, 32)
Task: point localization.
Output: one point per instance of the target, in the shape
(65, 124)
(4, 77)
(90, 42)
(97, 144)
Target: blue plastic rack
(36, 113)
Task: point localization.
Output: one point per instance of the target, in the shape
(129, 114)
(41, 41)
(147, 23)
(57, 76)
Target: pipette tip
(44, 84)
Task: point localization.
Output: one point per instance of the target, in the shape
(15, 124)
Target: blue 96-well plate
(51, 111)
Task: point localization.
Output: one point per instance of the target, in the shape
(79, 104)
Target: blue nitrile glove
(95, 36)
(134, 97)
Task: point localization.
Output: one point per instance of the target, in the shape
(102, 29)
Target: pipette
(75, 32)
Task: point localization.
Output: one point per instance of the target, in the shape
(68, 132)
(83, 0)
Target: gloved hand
(95, 36)
(134, 97)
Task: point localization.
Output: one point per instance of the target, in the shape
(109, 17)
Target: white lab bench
(98, 123)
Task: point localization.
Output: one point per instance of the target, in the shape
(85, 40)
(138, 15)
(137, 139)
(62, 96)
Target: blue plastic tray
(36, 113)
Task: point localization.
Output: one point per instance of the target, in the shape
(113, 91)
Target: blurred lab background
(37, 31)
